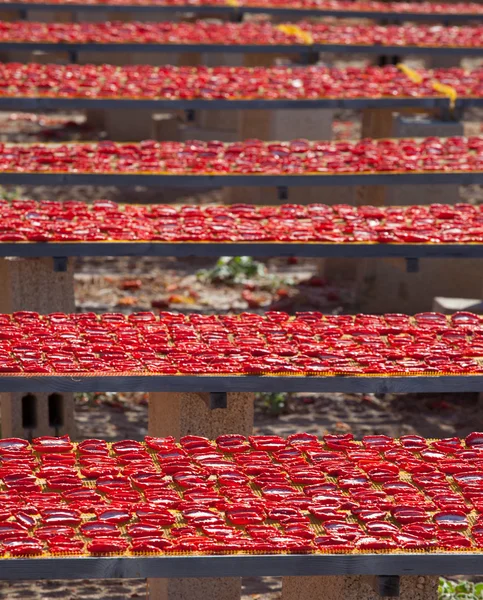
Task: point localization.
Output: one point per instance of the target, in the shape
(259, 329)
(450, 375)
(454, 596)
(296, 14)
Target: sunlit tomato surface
(209, 83)
(248, 32)
(336, 5)
(245, 344)
(48, 221)
(343, 508)
(254, 157)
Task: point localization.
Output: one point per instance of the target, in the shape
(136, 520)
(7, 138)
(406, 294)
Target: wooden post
(32, 284)
(179, 414)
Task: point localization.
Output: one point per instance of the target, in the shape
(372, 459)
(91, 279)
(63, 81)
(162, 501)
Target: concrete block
(424, 127)
(287, 124)
(9, 15)
(443, 61)
(383, 285)
(32, 284)
(209, 588)
(296, 195)
(218, 120)
(376, 123)
(223, 120)
(166, 127)
(189, 132)
(179, 414)
(31, 415)
(126, 125)
(96, 119)
(448, 306)
(355, 587)
(37, 56)
(104, 58)
(49, 16)
(92, 16)
(154, 58)
(189, 59)
(121, 124)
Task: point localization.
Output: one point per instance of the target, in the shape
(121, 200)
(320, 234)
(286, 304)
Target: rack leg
(179, 414)
(32, 284)
(356, 587)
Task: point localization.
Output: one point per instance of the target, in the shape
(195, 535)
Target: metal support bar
(190, 115)
(412, 265)
(297, 48)
(283, 12)
(309, 57)
(282, 192)
(239, 565)
(214, 399)
(236, 16)
(448, 114)
(386, 586)
(377, 384)
(262, 249)
(55, 103)
(60, 264)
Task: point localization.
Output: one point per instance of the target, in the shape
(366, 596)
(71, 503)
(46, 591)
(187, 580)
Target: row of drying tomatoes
(346, 5)
(274, 343)
(250, 157)
(103, 220)
(263, 493)
(250, 32)
(228, 83)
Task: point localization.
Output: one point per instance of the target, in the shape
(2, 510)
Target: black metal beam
(214, 400)
(377, 384)
(411, 252)
(304, 49)
(238, 565)
(282, 181)
(141, 47)
(54, 103)
(232, 10)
